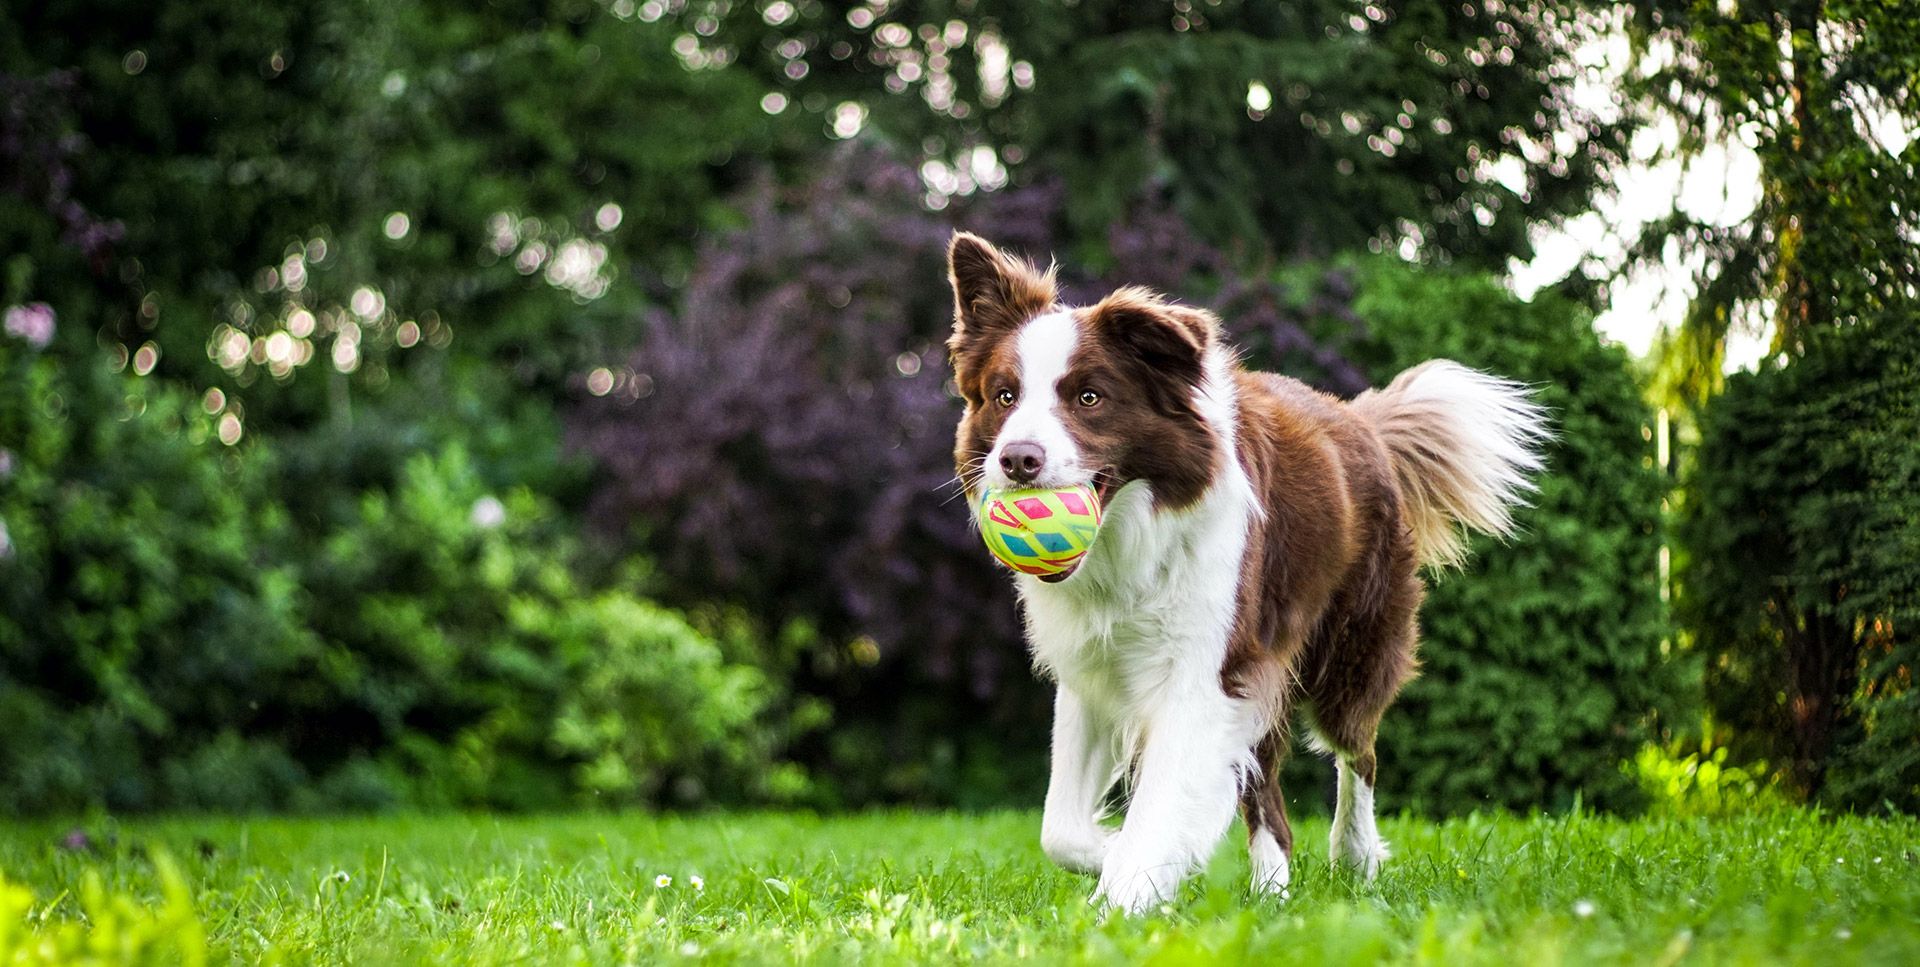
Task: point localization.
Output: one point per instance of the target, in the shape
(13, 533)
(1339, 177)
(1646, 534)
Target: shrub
(1542, 660)
(142, 617)
(1695, 778)
(1801, 583)
(461, 651)
(169, 638)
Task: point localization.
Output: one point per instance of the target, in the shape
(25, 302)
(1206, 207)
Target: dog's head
(1105, 395)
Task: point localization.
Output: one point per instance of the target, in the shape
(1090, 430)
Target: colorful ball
(1040, 532)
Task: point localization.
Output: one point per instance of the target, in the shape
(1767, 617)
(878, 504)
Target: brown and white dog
(1259, 556)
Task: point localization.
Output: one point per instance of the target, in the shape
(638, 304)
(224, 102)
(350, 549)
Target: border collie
(1258, 559)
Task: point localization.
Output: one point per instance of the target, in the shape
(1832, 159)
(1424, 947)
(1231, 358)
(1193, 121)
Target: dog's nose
(1023, 461)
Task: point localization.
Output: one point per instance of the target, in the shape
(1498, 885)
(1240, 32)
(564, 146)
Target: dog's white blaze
(1271, 871)
(1045, 347)
(1355, 840)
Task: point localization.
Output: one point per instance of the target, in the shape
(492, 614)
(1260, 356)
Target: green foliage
(139, 611)
(1790, 886)
(1542, 660)
(171, 636)
(1370, 125)
(1685, 778)
(1812, 88)
(112, 930)
(1802, 581)
(390, 192)
(444, 604)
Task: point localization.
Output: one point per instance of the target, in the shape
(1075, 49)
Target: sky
(1720, 185)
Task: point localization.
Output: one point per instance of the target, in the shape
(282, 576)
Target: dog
(1259, 559)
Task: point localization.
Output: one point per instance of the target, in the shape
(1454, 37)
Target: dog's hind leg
(1347, 698)
(1356, 839)
(1269, 837)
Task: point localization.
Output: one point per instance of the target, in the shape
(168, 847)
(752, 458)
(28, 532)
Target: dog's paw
(1082, 851)
(1363, 856)
(1132, 888)
(1272, 871)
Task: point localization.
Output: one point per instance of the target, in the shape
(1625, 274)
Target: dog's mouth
(1105, 482)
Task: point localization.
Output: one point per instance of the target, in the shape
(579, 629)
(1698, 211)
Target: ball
(1040, 532)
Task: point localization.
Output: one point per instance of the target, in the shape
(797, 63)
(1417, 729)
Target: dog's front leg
(1184, 796)
(1085, 757)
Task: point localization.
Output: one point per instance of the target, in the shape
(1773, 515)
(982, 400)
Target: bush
(1543, 665)
(1695, 778)
(462, 652)
(142, 619)
(1801, 582)
(171, 637)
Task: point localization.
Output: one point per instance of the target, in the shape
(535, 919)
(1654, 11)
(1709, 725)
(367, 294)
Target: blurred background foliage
(536, 404)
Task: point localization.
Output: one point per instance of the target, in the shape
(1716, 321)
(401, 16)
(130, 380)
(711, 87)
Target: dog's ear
(992, 290)
(1170, 341)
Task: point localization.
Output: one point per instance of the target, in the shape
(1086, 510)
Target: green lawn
(913, 887)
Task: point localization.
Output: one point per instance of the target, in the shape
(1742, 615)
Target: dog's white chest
(1153, 603)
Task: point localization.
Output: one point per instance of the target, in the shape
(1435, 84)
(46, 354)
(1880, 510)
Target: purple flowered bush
(783, 438)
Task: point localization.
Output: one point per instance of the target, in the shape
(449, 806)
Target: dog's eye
(1004, 398)
(1089, 398)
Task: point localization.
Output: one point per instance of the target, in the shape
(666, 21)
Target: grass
(1790, 887)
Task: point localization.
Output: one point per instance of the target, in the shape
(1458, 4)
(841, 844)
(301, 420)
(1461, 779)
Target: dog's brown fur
(1331, 588)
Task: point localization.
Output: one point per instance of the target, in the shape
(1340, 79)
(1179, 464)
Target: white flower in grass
(557, 926)
(662, 881)
(1583, 908)
(698, 883)
(689, 949)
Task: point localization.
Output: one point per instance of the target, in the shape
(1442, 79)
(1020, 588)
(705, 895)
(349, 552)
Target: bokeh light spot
(849, 117)
(1258, 97)
(368, 303)
(600, 381)
(397, 225)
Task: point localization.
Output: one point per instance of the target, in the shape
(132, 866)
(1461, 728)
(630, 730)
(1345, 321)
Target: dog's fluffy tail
(1464, 446)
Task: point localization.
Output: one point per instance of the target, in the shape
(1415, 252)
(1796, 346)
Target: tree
(318, 202)
(1302, 129)
(1823, 92)
(1792, 585)
(1802, 585)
